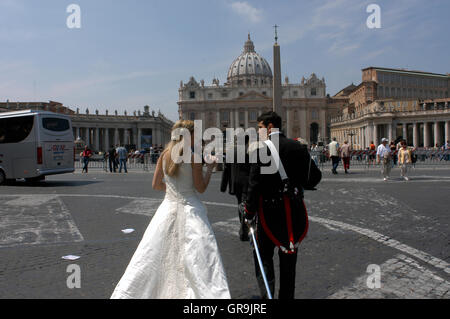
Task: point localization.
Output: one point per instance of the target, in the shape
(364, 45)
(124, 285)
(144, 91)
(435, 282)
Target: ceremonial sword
(261, 267)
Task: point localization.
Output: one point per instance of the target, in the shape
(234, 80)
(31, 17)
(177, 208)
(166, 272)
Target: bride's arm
(201, 181)
(158, 183)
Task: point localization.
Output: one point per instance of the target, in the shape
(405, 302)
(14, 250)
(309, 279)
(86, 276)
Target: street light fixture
(351, 133)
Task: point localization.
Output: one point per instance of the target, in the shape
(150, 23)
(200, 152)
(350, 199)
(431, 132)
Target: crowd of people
(388, 155)
(117, 157)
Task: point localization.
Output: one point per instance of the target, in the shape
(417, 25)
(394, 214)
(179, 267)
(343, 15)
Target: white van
(34, 144)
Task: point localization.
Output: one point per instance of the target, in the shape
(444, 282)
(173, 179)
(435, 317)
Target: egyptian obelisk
(277, 92)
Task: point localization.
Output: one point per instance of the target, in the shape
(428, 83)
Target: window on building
(241, 118)
(313, 92)
(192, 116)
(249, 82)
(264, 93)
(295, 93)
(224, 94)
(314, 115)
(210, 95)
(225, 116)
(253, 115)
(192, 94)
(241, 93)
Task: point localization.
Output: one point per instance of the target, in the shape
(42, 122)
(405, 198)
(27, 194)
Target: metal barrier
(369, 158)
(142, 162)
(147, 162)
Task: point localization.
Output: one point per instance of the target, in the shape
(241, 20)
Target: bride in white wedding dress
(178, 257)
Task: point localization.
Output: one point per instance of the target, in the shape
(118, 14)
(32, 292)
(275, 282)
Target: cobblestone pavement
(358, 222)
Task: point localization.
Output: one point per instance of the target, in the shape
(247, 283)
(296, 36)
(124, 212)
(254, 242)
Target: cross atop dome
(249, 46)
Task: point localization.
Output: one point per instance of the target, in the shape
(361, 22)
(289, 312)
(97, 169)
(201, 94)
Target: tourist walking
(86, 155)
(122, 154)
(371, 153)
(345, 152)
(333, 148)
(112, 154)
(394, 150)
(384, 157)
(404, 160)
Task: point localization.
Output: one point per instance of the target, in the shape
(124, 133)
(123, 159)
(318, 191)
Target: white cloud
(244, 9)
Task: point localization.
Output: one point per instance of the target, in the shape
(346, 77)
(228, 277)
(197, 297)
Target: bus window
(55, 124)
(15, 129)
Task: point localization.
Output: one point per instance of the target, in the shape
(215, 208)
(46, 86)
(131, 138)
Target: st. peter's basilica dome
(249, 69)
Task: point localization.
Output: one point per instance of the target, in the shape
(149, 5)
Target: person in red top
(345, 152)
(87, 154)
(372, 151)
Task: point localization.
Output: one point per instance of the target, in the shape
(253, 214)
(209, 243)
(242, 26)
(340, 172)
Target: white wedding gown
(178, 257)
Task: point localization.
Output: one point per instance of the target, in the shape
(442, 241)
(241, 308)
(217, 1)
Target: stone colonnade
(418, 133)
(100, 138)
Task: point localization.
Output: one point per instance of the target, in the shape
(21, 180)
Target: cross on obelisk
(277, 93)
(276, 33)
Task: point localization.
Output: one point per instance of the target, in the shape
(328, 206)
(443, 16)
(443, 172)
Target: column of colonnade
(100, 139)
(447, 131)
(431, 133)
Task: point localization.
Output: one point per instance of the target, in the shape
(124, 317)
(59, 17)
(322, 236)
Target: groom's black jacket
(264, 191)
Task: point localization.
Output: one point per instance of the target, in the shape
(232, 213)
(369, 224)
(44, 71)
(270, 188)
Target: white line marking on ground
(146, 207)
(33, 220)
(385, 240)
(393, 179)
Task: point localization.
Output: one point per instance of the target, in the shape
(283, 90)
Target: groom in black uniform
(267, 206)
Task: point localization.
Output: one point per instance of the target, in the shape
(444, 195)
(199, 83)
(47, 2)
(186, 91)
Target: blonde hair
(171, 168)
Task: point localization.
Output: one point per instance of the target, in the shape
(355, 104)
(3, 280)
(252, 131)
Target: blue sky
(132, 53)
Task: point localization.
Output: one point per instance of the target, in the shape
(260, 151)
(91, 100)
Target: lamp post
(351, 133)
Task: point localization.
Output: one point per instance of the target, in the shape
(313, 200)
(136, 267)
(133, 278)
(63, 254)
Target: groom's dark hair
(270, 117)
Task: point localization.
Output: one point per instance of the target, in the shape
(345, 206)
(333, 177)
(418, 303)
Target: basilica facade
(248, 92)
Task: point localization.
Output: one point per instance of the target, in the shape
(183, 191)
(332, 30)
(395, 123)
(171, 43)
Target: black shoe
(243, 233)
